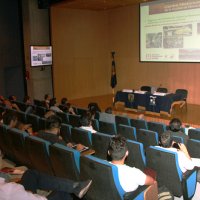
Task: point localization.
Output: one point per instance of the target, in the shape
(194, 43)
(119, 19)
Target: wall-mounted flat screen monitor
(170, 31)
(41, 55)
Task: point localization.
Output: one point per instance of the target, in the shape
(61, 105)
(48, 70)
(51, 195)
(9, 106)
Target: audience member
(32, 180)
(184, 160)
(175, 129)
(94, 109)
(47, 101)
(10, 118)
(53, 105)
(129, 177)
(107, 116)
(52, 133)
(27, 101)
(86, 122)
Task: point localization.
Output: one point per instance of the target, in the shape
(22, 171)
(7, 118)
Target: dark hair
(52, 102)
(108, 110)
(64, 100)
(46, 96)
(93, 107)
(118, 147)
(166, 139)
(26, 98)
(85, 119)
(53, 122)
(175, 125)
(9, 116)
(11, 97)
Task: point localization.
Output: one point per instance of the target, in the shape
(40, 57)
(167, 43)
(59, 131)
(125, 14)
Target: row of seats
(61, 161)
(66, 162)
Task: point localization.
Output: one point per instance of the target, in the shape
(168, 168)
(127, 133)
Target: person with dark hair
(129, 177)
(27, 101)
(175, 128)
(52, 132)
(10, 118)
(32, 180)
(107, 116)
(86, 122)
(47, 101)
(53, 105)
(184, 159)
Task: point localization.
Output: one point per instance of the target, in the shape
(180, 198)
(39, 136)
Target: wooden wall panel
(82, 42)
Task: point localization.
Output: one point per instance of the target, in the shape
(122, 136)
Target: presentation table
(156, 102)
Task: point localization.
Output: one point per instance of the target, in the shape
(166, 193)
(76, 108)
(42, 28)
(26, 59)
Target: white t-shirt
(14, 191)
(88, 128)
(130, 177)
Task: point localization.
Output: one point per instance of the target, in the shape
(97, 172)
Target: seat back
(37, 102)
(81, 111)
(40, 111)
(81, 136)
(139, 123)
(178, 139)
(183, 93)
(95, 124)
(193, 147)
(145, 88)
(21, 116)
(17, 144)
(157, 127)
(42, 123)
(3, 141)
(74, 120)
(163, 90)
(136, 157)
(122, 120)
(128, 132)
(38, 150)
(165, 163)
(65, 132)
(147, 138)
(34, 120)
(105, 182)
(64, 117)
(100, 143)
(65, 161)
(194, 134)
(108, 128)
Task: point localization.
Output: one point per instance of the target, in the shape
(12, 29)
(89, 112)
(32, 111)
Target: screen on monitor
(170, 31)
(41, 55)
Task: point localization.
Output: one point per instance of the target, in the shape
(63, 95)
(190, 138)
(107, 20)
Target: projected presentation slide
(41, 55)
(170, 31)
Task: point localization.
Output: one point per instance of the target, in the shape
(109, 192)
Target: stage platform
(190, 116)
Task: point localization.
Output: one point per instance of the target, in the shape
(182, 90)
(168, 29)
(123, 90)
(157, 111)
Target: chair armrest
(189, 183)
(147, 192)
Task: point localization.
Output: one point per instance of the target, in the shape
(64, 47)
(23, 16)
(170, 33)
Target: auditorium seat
(122, 120)
(147, 137)
(65, 161)
(193, 147)
(164, 162)
(95, 124)
(3, 140)
(34, 120)
(42, 123)
(157, 127)
(139, 123)
(100, 143)
(108, 128)
(136, 157)
(81, 136)
(74, 120)
(194, 134)
(65, 132)
(40, 111)
(128, 132)
(81, 111)
(38, 150)
(64, 117)
(105, 181)
(17, 145)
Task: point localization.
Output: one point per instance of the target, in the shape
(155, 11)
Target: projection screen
(170, 31)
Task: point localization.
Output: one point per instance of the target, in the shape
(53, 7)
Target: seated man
(52, 132)
(33, 180)
(86, 122)
(130, 177)
(175, 128)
